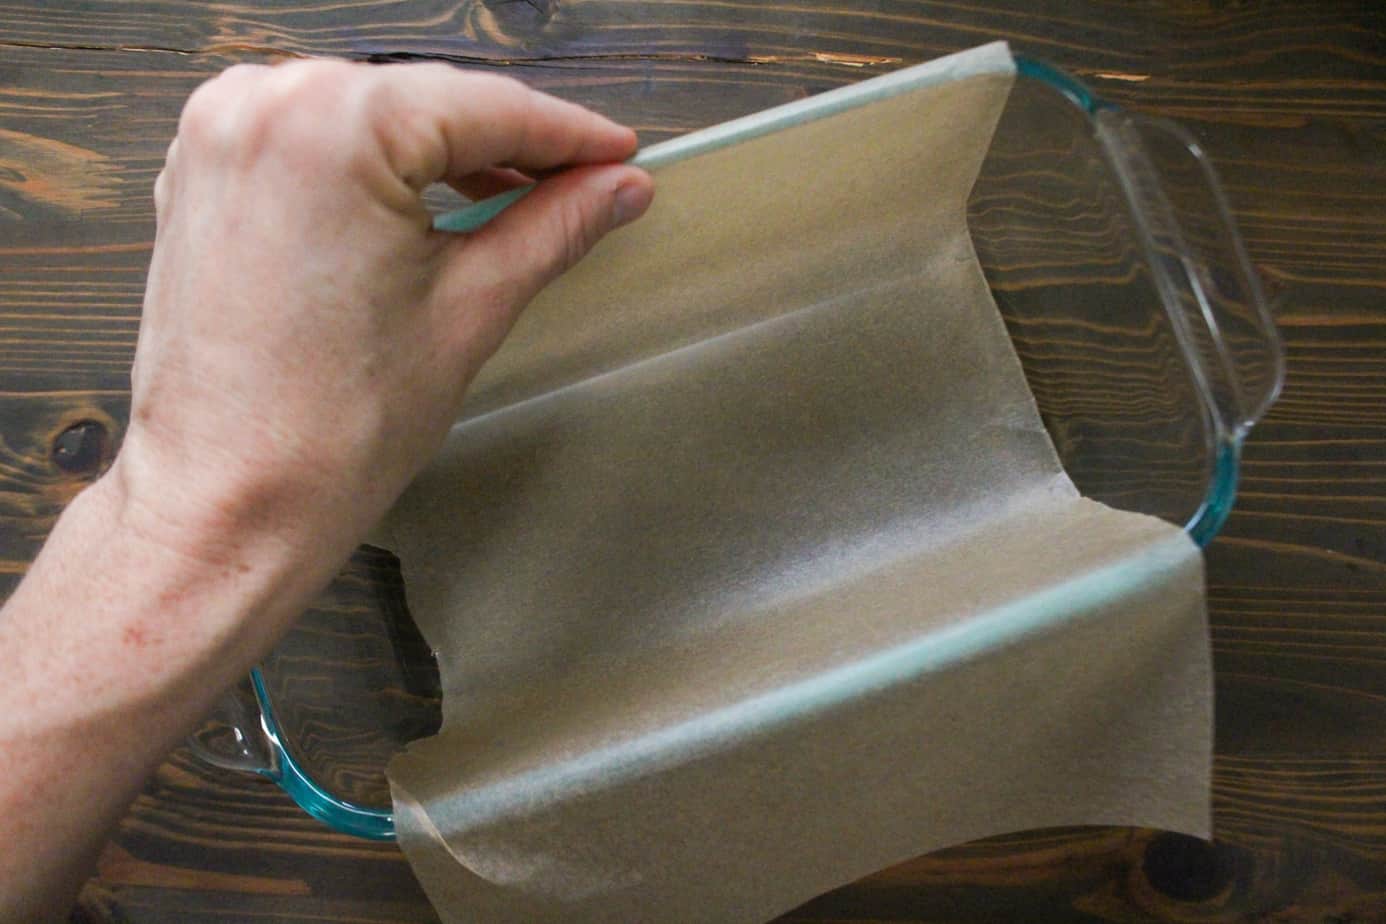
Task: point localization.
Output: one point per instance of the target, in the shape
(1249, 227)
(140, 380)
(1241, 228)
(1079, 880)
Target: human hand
(305, 344)
(307, 337)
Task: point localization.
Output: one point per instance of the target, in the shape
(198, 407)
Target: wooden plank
(1285, 62)
(1295, 831)
(740, 31)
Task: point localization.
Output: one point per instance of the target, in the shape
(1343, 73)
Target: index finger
(443, 123)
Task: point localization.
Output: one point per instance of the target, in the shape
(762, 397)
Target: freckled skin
(240, 487)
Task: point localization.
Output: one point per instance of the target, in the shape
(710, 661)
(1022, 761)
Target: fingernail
(632, 199)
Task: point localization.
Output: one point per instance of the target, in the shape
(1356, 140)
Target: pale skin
(306, 341)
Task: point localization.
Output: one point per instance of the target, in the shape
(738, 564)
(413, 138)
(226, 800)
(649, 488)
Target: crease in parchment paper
(751, 567)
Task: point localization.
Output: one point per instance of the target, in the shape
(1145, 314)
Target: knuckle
(165, 178)
(292, 95)
(403, 136)
(375, 104)
(308, 83)
(387, 132)
(250, 111)
(297, 114)
(203, 117)
(161, 193)
(209, 116)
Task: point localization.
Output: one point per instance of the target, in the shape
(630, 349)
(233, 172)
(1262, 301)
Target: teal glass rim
(1227, 420)
(375, 824)
(1070, 87)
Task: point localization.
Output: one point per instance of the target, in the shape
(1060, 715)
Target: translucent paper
(750, 565)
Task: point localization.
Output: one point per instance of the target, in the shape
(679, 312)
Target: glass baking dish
(1143, 333)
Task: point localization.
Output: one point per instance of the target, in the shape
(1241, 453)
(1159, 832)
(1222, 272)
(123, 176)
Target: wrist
(156, 603)
(242, 510)
(217, 516)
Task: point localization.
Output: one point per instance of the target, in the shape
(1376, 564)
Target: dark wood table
(1288, 98)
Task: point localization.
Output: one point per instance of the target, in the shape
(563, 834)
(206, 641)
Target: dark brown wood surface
(1288, 98)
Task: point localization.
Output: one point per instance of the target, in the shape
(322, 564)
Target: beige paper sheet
(752, 569)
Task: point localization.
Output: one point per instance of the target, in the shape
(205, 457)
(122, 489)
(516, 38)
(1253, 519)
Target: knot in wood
(82, 449)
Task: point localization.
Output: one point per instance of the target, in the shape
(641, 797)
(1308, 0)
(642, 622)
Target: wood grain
(1288, 98)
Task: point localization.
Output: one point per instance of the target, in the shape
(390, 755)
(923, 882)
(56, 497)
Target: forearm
(113, 646)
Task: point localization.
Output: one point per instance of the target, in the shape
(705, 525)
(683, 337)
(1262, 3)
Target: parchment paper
(752, 569)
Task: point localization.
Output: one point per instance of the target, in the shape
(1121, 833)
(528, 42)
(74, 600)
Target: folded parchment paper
(751, 567)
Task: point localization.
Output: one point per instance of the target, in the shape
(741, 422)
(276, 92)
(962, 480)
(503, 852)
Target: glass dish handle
(233, 735)
(241, 734)
(1209, 288)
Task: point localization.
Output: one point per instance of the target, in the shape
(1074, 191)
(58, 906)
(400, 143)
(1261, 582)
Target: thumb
(546, 232)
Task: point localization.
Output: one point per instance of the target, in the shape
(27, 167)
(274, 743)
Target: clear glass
(1144, 336)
